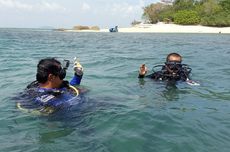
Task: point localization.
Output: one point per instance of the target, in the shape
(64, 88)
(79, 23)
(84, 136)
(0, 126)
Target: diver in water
(50, 92)
(173, 70)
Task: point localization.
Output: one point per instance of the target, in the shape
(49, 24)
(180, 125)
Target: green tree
(186, 17)
(210, 7)
(188, 12)
(225, 5)
(153, 11)
(215, 13)
(183, 5)
(218, 20)
(166, 14)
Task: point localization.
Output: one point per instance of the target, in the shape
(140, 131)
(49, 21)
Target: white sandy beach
(164, 28)
(171, 28)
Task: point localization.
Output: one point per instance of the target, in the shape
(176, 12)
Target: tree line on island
(189, 12)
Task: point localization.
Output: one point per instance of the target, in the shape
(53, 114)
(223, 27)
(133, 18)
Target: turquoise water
(120, 113)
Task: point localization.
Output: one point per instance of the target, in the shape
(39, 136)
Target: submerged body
(35, 99)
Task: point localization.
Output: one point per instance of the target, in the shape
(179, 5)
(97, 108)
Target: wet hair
(45, 67)
(173, 54)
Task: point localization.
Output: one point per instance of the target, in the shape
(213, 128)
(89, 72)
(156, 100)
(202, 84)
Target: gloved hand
(78, 69)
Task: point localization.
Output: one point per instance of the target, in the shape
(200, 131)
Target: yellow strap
(74, 89)
(36, 112)
(20, 108)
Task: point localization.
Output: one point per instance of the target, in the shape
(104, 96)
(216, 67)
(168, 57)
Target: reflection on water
(171, 92)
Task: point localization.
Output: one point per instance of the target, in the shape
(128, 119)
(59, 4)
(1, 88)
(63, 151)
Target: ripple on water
(120, 111)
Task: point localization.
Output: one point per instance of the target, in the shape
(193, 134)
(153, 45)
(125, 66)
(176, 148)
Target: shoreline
(163, 28)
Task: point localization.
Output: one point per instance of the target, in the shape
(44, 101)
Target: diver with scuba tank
(172, 70)
(50, 91)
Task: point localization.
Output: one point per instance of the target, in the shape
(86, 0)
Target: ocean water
(119, 113)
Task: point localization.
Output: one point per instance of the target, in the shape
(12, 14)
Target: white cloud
(42, 6)
(49, 6)
(66, 13)
(85, 7)
(126, 9)
(15, 5)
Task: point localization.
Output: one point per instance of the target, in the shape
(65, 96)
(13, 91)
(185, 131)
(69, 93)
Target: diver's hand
(78, 69)
(143, 70)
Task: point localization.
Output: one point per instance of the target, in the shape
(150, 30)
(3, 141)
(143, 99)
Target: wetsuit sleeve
(76, 80)
(141, 76)
(155, 76)
(147, 76)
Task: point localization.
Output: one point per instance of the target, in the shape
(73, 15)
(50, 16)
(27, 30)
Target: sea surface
(119, 113)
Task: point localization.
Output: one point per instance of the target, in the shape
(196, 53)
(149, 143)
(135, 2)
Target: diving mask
(64, 67)
(173, 67)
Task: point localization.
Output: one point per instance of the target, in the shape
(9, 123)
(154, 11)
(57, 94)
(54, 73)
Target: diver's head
(174, 57)
(173, 64)
(50, 71)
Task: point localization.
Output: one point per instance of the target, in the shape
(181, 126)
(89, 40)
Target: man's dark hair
(45, 67)
(173, 54)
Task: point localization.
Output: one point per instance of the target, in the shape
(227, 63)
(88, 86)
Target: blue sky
(67, 13)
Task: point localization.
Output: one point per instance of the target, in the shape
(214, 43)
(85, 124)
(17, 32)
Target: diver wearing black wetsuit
(172, 70)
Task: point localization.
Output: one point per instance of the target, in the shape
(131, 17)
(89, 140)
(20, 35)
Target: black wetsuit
(164, 75)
